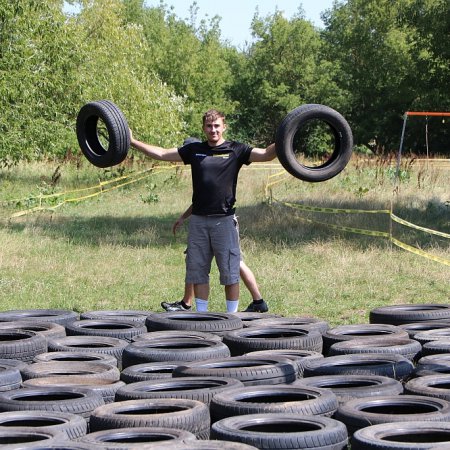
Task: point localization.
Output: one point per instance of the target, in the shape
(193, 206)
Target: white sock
(232, 306)
(201, 305)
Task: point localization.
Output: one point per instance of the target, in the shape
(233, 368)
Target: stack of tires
(183, 380)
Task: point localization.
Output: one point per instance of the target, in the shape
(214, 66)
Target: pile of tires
(183, 380)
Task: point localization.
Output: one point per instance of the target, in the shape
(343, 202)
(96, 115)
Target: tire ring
(118, 133)
(295, 120)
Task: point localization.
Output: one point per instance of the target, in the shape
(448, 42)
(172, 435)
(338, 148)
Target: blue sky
(237, 14)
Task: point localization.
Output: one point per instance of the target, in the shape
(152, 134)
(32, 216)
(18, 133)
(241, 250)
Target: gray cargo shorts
(213, 236)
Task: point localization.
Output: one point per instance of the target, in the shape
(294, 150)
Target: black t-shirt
(214, 175)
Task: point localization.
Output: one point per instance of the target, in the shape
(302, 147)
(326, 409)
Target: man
(215, 166)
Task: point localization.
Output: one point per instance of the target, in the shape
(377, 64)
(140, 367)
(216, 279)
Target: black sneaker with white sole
(175, 306)
(257, 306)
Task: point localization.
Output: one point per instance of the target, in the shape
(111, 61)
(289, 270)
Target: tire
(72, 425)
(363, 412)
(443, 358)
(136, 437)
(250, 371)
(358, 331)
(88, 138)
(131, 315)
(12, 364)
(195, 388)
(73, 400)
(90, 344)
(59, 316)
(184, 414)
(282, 431)
(203, 445)
(309, 322)
(438, 364)
(217, 323)
(177, 334)
(19, 438)
(292, 399)
(441, 334)
(22, 345)
(76, 356)
(297, 119)
(144, 350)
(436, 347)
(86, 370)
(255, 338)
(430, 386)
(48, 330)
(10, 378)
(402, 314)
(249, 318)
(60, 444)
(299, 357)
(148, 371)
(409, 348)
(107, 389)
(403, 436)
(417, 327)
(392, 366)
(348, 387)
(119, 329)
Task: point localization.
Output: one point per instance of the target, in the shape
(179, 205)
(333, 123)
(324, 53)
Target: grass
(116, 250)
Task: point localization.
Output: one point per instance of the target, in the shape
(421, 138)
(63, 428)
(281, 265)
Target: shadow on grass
(272, 225)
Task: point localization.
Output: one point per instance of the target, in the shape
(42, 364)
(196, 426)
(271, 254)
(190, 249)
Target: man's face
(213, 130)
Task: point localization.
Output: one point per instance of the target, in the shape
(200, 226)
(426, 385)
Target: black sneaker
(260, 306)
(175, 306)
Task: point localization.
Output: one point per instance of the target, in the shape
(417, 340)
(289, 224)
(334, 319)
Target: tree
(283, 69)
(384, 62)
(114, 68)
(188, 58)
(38, 79)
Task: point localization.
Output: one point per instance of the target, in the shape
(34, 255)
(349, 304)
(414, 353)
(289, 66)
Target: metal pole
(399, 155)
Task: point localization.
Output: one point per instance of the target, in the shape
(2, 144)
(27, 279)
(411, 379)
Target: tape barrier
(373, 232)
(417, 227)
(349, 229)
(335, 210)
(60, 194)
(419, 252)
(100, 186)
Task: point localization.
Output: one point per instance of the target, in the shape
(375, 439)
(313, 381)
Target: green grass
(117, 251)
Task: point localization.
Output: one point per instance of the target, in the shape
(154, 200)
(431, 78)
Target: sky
(237, 15)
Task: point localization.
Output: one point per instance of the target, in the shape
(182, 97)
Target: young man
(258, 304)
(215, 166)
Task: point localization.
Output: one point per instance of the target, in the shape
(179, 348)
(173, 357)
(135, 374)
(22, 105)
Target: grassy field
(116, 250)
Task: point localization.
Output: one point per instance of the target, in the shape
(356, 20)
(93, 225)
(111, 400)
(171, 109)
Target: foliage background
(374, 60)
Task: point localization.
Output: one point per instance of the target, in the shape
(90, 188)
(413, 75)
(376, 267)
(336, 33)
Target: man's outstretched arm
(263, 154)
(155, 152)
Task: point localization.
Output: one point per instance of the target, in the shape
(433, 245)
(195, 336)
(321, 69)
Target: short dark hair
(213, 114)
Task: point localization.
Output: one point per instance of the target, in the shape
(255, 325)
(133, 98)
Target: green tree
(188, 58)
(114, 68)
(38, 79)
(283, 69)
(390, 57)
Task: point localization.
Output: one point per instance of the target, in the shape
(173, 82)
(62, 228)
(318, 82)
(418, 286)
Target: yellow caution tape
(335, 210)
(419, 252)
(99, 186)
(373, 232)
(349, 229)
(417, 227)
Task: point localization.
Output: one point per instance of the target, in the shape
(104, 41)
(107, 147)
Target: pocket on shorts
(234, 261)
